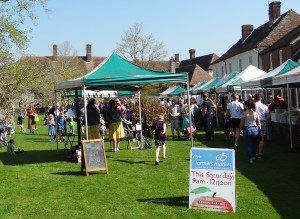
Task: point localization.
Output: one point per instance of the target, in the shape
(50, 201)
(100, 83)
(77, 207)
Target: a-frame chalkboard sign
(94, 156)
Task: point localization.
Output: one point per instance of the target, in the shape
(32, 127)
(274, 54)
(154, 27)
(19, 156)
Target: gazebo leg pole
(85, 114)
(55, 115)
(217, 110)
(140, 112)
(189, 106)
(289, 113)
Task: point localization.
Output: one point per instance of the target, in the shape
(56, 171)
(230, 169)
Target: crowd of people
(201, 114)
(239, 118)
(102, 119)
(248, 119)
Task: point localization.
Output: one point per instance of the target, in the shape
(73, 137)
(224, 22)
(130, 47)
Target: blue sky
(210, 26)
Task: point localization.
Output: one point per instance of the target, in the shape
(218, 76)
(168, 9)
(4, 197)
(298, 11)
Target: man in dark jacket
(207, 117)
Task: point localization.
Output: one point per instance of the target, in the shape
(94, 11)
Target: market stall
(265, 80)
(116, 73)
(287, 122)
(234, 84)
(172, 91)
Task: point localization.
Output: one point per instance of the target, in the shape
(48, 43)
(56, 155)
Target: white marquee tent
(247, 74)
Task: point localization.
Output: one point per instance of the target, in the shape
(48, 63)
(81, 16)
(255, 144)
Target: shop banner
(212, 179)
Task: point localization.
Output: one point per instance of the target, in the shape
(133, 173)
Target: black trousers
(208, 128)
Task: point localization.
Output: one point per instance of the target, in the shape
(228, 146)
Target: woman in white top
(250, 125)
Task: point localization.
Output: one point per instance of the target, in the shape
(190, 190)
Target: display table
(279, 128)
(283, 117)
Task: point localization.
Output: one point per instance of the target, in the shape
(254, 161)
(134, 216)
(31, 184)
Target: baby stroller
(133, 134)
(10, 128)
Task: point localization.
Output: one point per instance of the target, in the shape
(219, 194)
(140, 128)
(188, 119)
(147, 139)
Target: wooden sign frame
(94, 156)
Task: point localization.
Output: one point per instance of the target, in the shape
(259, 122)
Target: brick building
(198, 68)
(266, 46)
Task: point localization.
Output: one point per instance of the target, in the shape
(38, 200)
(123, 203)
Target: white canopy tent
(289, 80)
(266, 79)
(94, 93)
(247, 74)
(168, 91)
(291, 77)
(199, 87)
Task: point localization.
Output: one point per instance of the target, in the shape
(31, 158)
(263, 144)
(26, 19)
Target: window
(240, 65)
(230, 69)
(222, 70)
(280, 57)
(250, 60)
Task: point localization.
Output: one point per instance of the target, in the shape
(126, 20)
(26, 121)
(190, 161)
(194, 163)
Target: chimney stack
(89, 52)
(246, 30)
(274, 11)
(54, 52)
(192, 53)
(176, 57)
(172, 65)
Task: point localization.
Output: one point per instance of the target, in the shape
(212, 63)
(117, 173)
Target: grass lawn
(41, 183)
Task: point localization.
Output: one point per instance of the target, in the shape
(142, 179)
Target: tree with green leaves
(13, 15)
(14, 38)
(48, 72)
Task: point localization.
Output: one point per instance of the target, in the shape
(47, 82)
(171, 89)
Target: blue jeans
(250, 138)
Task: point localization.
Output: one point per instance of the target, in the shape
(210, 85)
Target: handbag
(36, 117)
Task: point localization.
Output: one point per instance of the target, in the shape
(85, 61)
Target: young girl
(102, 127)
(21, 116)
(61, 123)
(159, 128)
(186, 129)
(51, 127)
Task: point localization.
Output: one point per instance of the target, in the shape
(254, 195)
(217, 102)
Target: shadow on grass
(39, 140)
(182, 201)
(135, 162)
(275, 174)
(35, 134)
(71, 173)
(32, 157)
(78, 173)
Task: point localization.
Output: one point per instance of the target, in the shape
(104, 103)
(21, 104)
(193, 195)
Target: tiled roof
(203, 61)
(88, 66)
(285, 40)
(265, 35)
(195, 72)
(96, 60)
